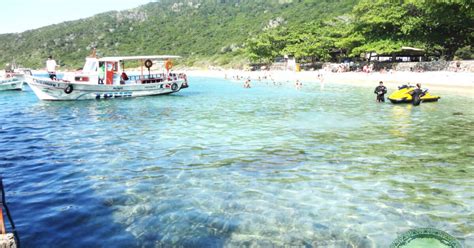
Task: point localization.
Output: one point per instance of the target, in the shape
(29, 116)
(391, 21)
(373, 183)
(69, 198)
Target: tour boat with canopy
(106, 78)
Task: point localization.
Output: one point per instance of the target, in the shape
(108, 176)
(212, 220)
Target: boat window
(112, 66)
(91, 65)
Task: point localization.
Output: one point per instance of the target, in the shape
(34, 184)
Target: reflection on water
(401, 115)
(220, 165)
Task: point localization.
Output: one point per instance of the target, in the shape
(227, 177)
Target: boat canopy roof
(153, 57)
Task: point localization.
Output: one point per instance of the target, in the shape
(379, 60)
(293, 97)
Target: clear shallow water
(218, 165)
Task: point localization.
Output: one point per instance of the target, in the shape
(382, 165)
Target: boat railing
(156, 78)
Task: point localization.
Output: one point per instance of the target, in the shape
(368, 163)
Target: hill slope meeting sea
(202, 28)
(233, 33)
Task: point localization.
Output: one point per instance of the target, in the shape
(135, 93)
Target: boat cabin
(113, 71)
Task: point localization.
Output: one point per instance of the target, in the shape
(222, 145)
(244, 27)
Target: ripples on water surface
(218, 165)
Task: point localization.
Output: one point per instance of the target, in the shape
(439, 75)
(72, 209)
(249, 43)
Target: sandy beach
(460, 83)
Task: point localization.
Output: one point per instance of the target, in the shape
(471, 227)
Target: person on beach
(51, 67)
(320, 76)
(380, 90)
(416, 94)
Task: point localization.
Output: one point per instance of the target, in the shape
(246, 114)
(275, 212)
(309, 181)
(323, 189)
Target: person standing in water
(51, 67)
(380, 90)
(416, 94)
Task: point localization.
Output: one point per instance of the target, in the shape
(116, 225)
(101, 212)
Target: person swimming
(247, 84)
(298, 84)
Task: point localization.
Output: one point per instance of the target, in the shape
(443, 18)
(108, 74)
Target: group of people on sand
(368, 68)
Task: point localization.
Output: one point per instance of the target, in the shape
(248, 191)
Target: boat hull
(11, 85)
(51, 90)
(410, 100)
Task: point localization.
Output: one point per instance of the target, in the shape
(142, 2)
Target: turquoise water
(218, 165)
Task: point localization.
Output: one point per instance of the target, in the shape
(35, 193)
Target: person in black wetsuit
(380, 90)
(416, 94)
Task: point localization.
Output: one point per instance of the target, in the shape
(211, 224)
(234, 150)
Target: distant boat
(105, 78)
(12, 81)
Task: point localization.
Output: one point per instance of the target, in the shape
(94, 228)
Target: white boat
(12, 82)
(114, 82)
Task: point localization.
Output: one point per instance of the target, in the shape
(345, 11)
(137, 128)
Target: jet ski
(404, 95)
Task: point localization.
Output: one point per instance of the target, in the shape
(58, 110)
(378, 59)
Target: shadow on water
(52, 188)
(51, 202)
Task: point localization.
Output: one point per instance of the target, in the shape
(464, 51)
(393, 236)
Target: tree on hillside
(442, 28)
(266, 47)
(384, 27)
(448, 25)
(315, 40)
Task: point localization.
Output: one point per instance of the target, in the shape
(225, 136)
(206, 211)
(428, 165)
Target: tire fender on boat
(148, 63)
(68, 89)
(174, 87)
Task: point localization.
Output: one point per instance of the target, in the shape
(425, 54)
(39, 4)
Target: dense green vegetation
(443, 28)
(230, 32)
(200, 30)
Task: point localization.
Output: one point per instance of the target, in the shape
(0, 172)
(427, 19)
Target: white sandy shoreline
(460, 83)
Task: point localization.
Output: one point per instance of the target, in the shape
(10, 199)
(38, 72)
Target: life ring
(148, 63)
(168, 65)
(174, 87)
(68, 89)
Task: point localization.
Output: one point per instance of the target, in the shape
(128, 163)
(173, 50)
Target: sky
(17, 16)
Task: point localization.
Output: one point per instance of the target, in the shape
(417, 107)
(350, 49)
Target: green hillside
(233, 32)
(210, 29)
